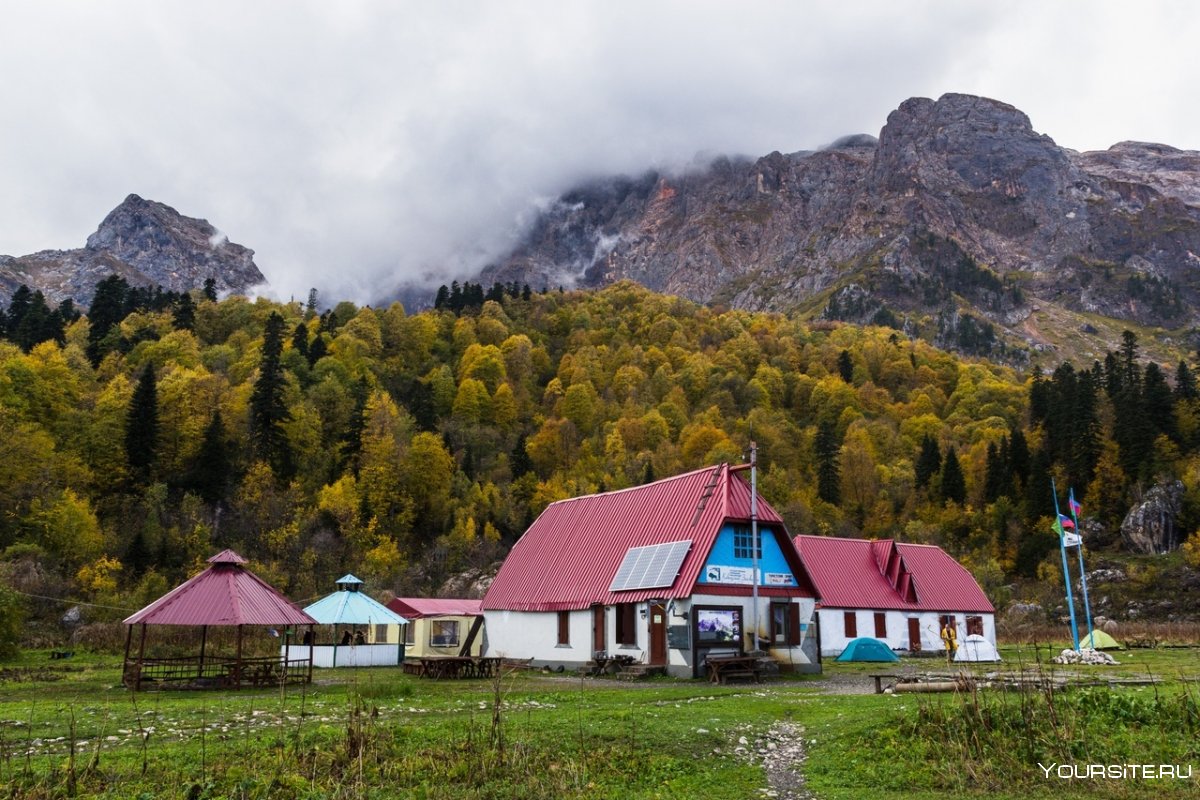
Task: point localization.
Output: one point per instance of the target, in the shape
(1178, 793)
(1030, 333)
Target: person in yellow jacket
(950, 638)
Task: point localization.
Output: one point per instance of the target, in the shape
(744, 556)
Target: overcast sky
(354, 144)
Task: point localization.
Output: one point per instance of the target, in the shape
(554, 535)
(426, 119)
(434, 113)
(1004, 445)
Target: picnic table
(723, 668)
(611, 663)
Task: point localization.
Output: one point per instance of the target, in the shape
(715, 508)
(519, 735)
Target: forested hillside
(407, 448)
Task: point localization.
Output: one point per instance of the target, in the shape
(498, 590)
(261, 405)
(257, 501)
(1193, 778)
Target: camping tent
(976, 648)
(865, 648)
(1102, 641)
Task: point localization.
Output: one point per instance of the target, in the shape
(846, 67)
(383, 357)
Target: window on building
(564, 627)
(880, 625)
(851, 623)
(974, 626)
(744, 544)
(410, 630)
(626, 624)
(443, 633)
(785, 624)
(380, 635)
(717, 625)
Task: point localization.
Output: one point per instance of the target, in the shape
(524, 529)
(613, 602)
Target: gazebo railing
(189, 672)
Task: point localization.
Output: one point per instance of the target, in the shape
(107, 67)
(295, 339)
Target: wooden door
(599, 635)
(914, 635)
(658, 635)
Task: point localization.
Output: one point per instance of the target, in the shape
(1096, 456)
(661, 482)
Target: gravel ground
(780, 752)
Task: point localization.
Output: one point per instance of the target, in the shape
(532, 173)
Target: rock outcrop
(1149, 527)
(146, 243)
(959, 218)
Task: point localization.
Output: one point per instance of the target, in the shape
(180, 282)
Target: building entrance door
(658, 635)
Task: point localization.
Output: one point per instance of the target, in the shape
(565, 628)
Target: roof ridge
(636, 488)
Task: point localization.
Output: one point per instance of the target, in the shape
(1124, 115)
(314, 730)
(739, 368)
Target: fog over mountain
(358, 145)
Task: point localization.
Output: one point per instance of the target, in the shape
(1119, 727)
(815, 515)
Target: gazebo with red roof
(224, 595)
(660, 574)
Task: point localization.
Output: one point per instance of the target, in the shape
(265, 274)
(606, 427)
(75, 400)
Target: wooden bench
(879, 680)
(722, 669)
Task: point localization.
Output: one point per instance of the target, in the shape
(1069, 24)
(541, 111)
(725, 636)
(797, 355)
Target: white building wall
(834, 639)
(534, 635)
(348, 655)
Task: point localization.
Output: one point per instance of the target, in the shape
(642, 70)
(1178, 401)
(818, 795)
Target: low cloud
(357, 145)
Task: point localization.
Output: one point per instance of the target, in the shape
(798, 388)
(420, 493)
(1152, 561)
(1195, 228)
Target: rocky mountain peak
(960, 222)
(145, 242)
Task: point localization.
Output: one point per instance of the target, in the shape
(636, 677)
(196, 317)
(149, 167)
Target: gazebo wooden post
(203, 641)
(128, 643)
(137, 682)
(237, 667)
(311, 637)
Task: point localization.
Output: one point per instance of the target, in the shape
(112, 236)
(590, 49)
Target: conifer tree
(1158, 402)
(268, 411)
(141, 427)
(829, 479)
(317, 350)
(993, 483)
(183, 316)
(519, 462)
(210, 289)
(106, 311)
(845, 366)
(1185, 382)
(310, 309)
(212, 467)
(954, 485)
(929, 462)
(300, 339)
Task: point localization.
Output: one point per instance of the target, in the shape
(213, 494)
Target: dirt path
(780, 751)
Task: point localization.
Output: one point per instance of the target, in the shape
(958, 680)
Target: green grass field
(67, 728)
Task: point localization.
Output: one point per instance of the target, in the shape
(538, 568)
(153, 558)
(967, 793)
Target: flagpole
(1062, 548)
(1087, 607)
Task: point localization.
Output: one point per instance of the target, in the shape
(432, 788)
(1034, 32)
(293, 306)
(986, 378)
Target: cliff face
(145, 242)
(958, 208)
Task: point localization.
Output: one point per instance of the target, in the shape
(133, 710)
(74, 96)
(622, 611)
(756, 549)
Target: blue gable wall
(771, 564)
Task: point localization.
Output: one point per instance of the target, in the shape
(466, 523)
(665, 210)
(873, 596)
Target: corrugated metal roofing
(224, 594)
(417, 607)
(848, 574)
(569, 555)
(352, 608)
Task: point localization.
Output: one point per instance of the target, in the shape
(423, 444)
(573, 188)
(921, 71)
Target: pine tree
(183, 317)
(994, 477)
(1185, 382)
(352, 439)
(1158, 402)
(954, 485)
(929, 462)
(141, 427)
(519, 462)
(845, 366)
(210, 289)
(310, 309)
(212, 466)
(300, 339)
(829, 479)
(317, 350)
(267, 409)
(106, 312)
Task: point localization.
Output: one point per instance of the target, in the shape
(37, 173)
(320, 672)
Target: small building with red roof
(903, 594)
(440, 626)
(662, 573)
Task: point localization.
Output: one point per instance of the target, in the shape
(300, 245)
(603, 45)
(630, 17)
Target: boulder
(1149, 527)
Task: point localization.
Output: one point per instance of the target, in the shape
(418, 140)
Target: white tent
(976, 648)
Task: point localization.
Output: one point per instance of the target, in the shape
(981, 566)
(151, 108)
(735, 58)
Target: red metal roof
(224, 594)
(567, 558)
(858, 573)
(417, 607)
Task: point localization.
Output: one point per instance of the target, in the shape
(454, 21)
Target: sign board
(778, 579)
(716, 573)
(679, 637)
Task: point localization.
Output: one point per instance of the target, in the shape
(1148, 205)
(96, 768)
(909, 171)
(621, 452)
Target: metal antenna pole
(1087, 606)
(754, 534)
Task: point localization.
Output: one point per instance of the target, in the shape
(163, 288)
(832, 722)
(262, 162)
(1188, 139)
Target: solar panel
(650, 567)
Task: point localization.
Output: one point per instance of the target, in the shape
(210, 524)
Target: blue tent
(865, 648)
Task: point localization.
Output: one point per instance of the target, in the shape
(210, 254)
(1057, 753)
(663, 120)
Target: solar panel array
(650, 567)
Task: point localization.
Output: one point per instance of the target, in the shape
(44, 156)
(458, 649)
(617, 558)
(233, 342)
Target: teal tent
(865, 648)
